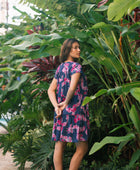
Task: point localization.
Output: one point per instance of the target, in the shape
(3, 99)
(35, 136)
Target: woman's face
(75, 50)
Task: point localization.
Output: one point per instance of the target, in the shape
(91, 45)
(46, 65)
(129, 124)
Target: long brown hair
(66, 48)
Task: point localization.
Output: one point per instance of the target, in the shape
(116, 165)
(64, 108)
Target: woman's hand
(62, 105)
(58, 111)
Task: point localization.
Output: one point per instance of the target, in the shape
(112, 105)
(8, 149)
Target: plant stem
(124, 65)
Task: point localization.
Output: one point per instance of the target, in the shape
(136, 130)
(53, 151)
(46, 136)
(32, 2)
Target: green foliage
(135, 157)
(109, 139)
(136, 93)
(119, 8)
(135, 118)
(110, 59)
(42, 156)
(24, 147)
(17, 127)
(125, 89)
(35, 147)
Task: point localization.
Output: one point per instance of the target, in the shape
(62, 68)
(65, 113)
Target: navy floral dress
(73, 125)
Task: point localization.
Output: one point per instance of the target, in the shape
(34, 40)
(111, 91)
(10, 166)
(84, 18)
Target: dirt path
(6, 161)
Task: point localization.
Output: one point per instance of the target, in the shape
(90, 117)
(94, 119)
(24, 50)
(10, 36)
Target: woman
(71, 120)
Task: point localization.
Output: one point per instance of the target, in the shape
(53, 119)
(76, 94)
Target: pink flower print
(76, 127)
(79, 117)
(70, 130)
(68, 109)
(83, 129)
(64, 138)
(86, 132)
(59, 128)
(83, 86)
(73, 110)
(65, 79)
(59, 99)
(76, 68)
(64, 83)
(75, 120)
(53, 135)
(69, 139)
(66, 64)
(59, 122)
(72, 69)
(64, 123)
(58, 69)
(55, 124)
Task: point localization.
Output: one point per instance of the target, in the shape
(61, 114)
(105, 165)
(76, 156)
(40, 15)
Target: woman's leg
(58, 155)
(81, 149)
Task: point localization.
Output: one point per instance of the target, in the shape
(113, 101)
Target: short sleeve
(76, 68)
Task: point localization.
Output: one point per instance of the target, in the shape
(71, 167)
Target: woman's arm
(52, 96)
(73, 84)
(51, 92)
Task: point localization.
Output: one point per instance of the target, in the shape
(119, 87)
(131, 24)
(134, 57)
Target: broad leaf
(118, 8)
(30, 37)
(118, 90)
(135, 118)
(54, 51)
(78, 33)
(102, 8)
(136, 93)
(112, 64)
(112, 140)
(102, 25)
(99, 93)
(134, 5)
(124, 88)
(13, 40)
(17, 84)
(25, 44)
(121, 126)
(7, 69)
(134, 158)
(53, 36)
(87, 7)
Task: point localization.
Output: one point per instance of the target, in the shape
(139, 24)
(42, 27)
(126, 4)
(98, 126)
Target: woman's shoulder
(76, 65)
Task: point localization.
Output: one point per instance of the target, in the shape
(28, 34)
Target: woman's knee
(82, 148)
(59, 146)
(58, 152)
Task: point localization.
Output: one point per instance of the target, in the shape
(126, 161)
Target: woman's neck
(69, 61)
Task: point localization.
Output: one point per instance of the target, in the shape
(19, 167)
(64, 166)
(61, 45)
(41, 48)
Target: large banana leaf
(30, 37)
(112, 140)
(124, 89)
(30, 40)
(118, 8)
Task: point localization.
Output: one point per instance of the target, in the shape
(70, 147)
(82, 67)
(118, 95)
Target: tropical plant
(35, 147)
(125, 73)
(109, 40)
